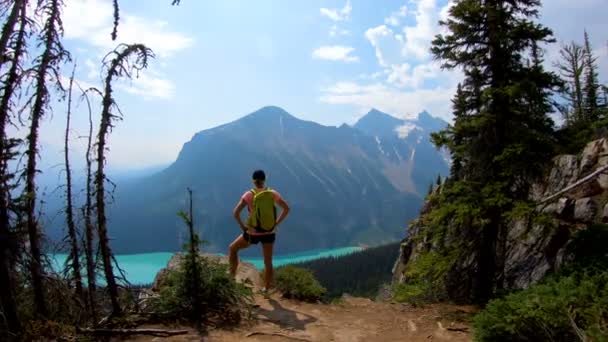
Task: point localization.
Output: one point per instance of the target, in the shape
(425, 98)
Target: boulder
(589, 189)
(596, 152)
(605, 214)
(585, 210)
(564, 172)
(602, 180)
(246, 272)
(532, 252)
(563, 208)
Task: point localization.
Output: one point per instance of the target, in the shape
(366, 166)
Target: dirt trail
(352, 320)
(355, 319)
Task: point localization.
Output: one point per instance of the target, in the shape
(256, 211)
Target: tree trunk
(487, 252)
(102, 231)
(89, 233)
(7, 282)
(40, 102)
(9, 28)
(118, 66)
(69, 211)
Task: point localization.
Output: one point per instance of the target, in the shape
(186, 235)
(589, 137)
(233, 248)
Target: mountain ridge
(345, 186)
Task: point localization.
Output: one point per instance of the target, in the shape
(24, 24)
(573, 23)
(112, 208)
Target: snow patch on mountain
(380, 146)
(404, 130)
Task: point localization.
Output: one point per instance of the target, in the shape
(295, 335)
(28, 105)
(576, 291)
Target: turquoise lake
(142, 268)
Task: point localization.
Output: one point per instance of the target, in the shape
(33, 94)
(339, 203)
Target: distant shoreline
(141, 268)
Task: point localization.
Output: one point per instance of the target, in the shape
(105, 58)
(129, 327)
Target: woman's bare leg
(268, 271)
(238, 244)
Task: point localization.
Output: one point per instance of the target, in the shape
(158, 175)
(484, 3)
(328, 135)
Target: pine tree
(46, 67)
(74, 257)
(505, 137)
(192, 264)
(571, 68)
(118, 66)
(592, 86)
(89, 251)
(13, 44)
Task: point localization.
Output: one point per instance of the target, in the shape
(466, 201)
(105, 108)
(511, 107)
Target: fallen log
(153, 332)
(569, 188)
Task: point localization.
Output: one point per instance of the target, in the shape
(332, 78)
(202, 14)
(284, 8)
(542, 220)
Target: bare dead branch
(152, 332)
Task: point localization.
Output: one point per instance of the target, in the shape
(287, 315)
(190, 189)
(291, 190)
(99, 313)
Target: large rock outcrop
(246, 272)
(532, 249)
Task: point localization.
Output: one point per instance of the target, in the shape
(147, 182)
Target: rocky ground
(350, 319)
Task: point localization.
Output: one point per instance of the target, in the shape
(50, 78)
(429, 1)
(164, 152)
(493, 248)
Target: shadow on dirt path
(284, 317)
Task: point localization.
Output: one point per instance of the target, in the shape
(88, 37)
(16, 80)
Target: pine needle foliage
(502, 135)
(126, 61)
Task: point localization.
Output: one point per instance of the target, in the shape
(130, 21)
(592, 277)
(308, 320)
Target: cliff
(572, 196)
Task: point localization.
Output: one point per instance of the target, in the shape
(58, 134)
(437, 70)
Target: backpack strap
(254, 192)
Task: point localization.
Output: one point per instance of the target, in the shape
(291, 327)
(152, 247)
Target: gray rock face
(594, 153)
(563, 208)
(585, 210)
(563, 173)
(532, 250)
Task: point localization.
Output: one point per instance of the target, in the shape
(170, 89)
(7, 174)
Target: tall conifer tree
(592, 86)
(505, 135)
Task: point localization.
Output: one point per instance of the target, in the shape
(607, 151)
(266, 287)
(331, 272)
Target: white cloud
(336, 14)
(411, 41)
(335, 31)
(376, 36)
(390, 100)
(395, 18)
(91, 21)
(403, 53)
(149, 86)
(409, 80)
(335, 53)
(415, 40)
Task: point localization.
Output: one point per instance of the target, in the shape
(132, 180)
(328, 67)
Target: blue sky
(326, 61)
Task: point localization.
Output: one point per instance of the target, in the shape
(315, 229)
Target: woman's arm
(237, 214)
(284, 210)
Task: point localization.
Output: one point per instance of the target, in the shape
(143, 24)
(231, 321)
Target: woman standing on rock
(260, 226)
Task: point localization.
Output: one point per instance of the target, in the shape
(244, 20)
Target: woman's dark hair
(259, 175)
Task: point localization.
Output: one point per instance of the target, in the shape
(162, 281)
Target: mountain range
(346, 185)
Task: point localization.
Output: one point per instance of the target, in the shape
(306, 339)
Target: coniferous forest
(33, 59)
(361, 273)
(511, 116)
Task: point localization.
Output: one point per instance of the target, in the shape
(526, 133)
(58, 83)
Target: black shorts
(254, 239)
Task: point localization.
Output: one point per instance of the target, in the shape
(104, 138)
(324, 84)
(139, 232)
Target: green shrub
(589, 250)
(569, 308)
(411, 292)
(221, 296)
(425, 278)
(47, 330)
(298, 283)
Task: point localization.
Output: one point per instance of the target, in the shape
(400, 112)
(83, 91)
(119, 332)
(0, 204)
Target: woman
(254, 235)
